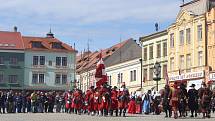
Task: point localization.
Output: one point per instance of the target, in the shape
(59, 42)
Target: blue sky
(103, 22)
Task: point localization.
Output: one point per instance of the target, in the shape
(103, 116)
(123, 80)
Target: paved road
(72, 117)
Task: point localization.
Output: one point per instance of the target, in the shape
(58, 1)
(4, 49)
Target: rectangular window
(145, 53)
(158, 50)
(13, 60)
(121, 78)
(135, 75)
(64, 61)
(41, 78)
(188, 36)
(164, 70)
(64, 79)
(58, 61)
(37, 45)
(57, 78)
(199, 28)
(188, 61)
(145, 73)
(165, 49)
(151, 74)
(171, 64)
(118, 78)
(13, 78)
(42, 60)
(1, 77)
(188, 64)
(34, 78)
(131, 76)
(1, 60)
(172, 40)
(200, 58)
(35, 60)
(109, 80)
(181, 62)
(151, 52)
(181, 36)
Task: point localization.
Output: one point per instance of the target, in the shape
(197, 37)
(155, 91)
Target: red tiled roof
(82, 64)
(11, 40)
(46, 43)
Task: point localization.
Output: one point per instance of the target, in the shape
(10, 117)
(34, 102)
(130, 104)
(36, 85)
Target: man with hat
(123, 99)
(193, 100)
(114, 101)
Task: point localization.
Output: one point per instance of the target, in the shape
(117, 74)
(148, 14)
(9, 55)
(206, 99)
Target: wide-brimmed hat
(193, 85)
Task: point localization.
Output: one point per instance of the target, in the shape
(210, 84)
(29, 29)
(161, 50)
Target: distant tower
(156, 27)
(50, 34)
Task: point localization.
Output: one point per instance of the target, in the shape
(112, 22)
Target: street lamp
(141, 70)
(157, 72)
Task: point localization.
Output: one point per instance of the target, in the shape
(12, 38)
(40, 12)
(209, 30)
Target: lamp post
(141, 70)
(157, 72)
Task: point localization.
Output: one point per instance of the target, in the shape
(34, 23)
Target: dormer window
(37, 45)
(56, 45)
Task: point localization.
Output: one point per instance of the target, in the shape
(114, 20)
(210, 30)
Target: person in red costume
(132, 106)
(96, 101)
(175, 99)
(89, 100)
(68, 101)
(123, 99)
(114, 101)
(105, 100)
(78, 101)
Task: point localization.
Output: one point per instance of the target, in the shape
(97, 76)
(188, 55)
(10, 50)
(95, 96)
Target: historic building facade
(49, 64)
(11, 60)
(154, 49)
(187, 43)
(121, 61)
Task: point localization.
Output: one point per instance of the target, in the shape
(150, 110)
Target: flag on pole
(167, 78)
(100, 75)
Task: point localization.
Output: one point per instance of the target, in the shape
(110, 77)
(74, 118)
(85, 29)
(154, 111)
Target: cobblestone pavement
(73, 117)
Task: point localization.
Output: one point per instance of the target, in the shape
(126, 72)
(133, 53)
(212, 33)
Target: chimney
(15, 29)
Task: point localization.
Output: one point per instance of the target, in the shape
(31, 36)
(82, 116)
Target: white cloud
(81, 19)
(92, 11)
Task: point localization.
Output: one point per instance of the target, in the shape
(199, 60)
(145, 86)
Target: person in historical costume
(114, 101)
(78, 101)
(139, 103)
(132, 105)
(193, 100)
(206, 102)
(96, 101)
(175, 99)
(166, 96)
(182, 100)
(123, 100)
(89, 100)
(147, 100)
(105, 100)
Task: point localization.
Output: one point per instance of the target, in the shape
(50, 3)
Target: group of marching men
(179, 100)
(105, 100)
(101, 101)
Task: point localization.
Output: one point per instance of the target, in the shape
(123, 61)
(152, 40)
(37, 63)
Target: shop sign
(187, 76)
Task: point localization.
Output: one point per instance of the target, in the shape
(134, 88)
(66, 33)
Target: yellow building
(187, 43)
(154, 48)
(211, 43)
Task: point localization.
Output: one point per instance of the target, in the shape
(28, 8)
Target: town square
(107, 60)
